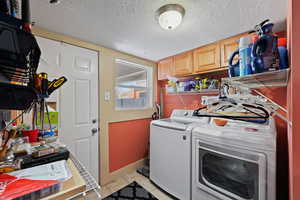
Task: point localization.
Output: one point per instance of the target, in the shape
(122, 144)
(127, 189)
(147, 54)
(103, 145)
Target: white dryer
(170, 152)
(235, 162)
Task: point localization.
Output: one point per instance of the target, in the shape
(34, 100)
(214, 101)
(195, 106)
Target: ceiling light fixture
(170, 16)
(55, 2)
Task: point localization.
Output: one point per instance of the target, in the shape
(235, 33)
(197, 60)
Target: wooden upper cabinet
(165, 68)
(228, 46)
(207, 58)
(183, 64)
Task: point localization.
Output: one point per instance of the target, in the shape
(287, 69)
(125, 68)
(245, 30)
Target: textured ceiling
(130, 26)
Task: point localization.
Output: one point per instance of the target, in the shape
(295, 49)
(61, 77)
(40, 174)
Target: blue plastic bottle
(283, 53)
(257, 64)
(234, 69)
(245, 56)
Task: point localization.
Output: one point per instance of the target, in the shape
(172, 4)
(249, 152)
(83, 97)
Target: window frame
(149, 84)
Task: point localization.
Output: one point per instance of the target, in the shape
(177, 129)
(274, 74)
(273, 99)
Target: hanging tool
(48, 115)
(8, 135)
(55, 84)
(26, 16)
(156, 115)
(45, 88)
(14, 7)
(4, 7)
(41, 85)
(34, 116)
(44, 93)
(2, 125)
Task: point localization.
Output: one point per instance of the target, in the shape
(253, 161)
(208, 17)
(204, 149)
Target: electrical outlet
(107, 96)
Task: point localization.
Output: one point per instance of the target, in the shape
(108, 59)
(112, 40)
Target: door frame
(106, 57)
(71, 41)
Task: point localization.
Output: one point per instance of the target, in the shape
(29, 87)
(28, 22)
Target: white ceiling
(130, 26)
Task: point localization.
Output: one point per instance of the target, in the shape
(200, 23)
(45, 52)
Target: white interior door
(79, 105)
(77, 98)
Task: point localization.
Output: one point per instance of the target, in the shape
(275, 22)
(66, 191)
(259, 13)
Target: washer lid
(171, 124)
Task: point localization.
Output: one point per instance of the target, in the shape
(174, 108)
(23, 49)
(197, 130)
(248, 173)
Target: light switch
(107, 96)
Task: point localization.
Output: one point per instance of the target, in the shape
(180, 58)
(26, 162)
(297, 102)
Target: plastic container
(245, 55)
(32, 135)
(256, 63)
(43, 193)
(265, 50)
(283, 53)
(234, 68)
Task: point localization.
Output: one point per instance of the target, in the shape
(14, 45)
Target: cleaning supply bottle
(245, 55)
(265, 51)
(256, 63)
(283, 53)
(234, 68)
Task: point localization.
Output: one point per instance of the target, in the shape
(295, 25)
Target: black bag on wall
(19, 50)
(16, 97)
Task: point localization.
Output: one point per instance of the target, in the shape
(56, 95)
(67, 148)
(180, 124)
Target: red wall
(294, 98)
(128, 142)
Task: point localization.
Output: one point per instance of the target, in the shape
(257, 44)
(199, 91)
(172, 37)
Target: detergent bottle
(256, 63)
(233, 68)
(283, 53)
(265, 55)
(243, 66)
(245, 55)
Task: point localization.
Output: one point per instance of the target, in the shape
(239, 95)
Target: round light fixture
(55, 2)
(170, 16)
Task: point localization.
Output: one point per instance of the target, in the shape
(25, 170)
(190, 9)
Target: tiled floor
(129, 178)
(124, 181)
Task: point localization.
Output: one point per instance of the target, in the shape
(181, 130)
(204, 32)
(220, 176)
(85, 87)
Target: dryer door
(230, 173)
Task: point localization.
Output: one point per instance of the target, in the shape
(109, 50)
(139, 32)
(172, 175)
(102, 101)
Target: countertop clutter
(72, 186)
(35, 171)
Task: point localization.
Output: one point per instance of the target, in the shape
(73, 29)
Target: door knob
(94, 131)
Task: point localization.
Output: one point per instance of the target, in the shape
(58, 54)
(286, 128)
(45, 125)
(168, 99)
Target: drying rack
(252, 83)
(91, 183)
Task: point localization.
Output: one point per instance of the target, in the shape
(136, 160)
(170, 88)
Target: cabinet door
(183, 64)
(165, 67)
(207, 58)
(229, 46)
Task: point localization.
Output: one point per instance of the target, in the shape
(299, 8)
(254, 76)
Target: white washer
(170, 152)
(235, 162)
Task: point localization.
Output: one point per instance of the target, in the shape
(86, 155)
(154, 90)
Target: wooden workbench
(71, 187)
